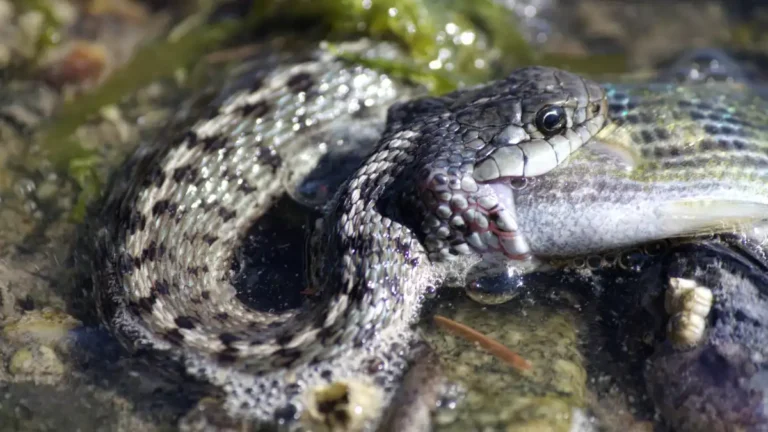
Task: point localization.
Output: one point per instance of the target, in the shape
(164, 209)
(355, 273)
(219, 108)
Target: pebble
(38, 363)
(81, 63)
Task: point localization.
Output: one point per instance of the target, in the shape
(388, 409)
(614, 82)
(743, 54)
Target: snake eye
(550, 120)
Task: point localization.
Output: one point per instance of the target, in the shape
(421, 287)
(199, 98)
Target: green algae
(445, 48)
(83, 172)
(496, 22)
(449, 44)
(407, 21)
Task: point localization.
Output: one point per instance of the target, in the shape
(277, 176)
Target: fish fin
(687, 218)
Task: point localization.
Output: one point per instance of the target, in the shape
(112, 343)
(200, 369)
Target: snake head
(491, 136)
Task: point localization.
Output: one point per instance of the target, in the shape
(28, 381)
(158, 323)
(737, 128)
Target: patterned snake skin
(426, 196)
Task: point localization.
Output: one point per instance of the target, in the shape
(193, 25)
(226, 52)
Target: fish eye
(551, 120)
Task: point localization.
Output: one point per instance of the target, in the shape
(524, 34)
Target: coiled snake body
(435, 189)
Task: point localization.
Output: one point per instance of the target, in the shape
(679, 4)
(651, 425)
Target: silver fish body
(676, 161)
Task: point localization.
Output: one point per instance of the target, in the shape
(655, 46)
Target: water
(61, 372)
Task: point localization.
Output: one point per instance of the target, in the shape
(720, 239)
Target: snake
(601, 167)
(162, 267)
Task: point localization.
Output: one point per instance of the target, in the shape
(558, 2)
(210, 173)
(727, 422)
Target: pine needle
(491, 345)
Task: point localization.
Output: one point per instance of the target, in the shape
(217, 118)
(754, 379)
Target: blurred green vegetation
(448, 44)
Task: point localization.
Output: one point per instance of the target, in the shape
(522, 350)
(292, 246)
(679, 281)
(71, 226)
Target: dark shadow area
(270, 263)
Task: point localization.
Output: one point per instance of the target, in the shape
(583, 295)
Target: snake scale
(434, 196)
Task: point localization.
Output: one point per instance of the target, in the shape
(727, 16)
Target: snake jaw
(522, 149)
(464, 217)
(503, 226)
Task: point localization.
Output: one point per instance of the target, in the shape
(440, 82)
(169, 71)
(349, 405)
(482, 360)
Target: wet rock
(494, 395)
(208, 415)
(48, 326)
(26, 406)
(20, 291)
(30, 341)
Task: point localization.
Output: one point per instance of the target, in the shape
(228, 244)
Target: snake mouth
(502, 233)
(468, 217)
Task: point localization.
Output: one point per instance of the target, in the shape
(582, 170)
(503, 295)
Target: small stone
(488, 201)
(38, 363)
(31, 25)
(46, 190)
(83, 63)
